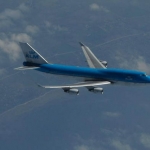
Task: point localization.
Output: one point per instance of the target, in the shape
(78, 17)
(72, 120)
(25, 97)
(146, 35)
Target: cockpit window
(143, 75)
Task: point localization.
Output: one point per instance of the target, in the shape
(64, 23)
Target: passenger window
(129, 78)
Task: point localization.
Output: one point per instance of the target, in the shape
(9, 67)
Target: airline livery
(96, 75)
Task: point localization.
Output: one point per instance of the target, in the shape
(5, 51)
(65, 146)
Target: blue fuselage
(113, 75)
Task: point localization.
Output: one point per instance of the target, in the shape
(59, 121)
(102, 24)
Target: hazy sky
(32, 118)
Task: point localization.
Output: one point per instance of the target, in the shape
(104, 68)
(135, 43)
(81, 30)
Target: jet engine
(104, 63)
(96, 90)
(72, 91)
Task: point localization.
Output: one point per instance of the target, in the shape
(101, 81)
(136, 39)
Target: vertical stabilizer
(31, 55)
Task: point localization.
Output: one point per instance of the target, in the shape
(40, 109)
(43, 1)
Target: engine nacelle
(96, 90)
(104, 63)
(72, 91)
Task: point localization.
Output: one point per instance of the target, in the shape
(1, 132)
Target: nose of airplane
(148, 79)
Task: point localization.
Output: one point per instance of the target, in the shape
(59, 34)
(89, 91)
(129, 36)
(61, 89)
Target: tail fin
(31, 55)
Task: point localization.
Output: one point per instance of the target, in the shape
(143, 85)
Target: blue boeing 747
(96, 75)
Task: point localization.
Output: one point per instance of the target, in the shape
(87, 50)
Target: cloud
(9, 40)
(113, 139)
(86, 144)
(48, 24)
(32, 29)
(8, 15)
(96, 7)
(23, 7)
(141, 64)
(111, 114)
(145, 140)
(135, 62)
(120, 146)
(5, 23)
(12, 14)
(9, 44)
(11, 48)
(21, 37)
(54, 27)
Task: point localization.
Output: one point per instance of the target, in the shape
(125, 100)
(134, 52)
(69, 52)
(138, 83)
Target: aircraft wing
(92, 60)
(77, 85)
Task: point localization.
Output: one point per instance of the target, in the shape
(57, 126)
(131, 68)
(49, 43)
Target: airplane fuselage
(91, 78)
(110, 74)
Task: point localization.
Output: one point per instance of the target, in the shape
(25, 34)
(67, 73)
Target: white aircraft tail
(33, 58)
(31, 55)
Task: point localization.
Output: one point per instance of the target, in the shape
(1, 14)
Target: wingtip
(22, 43)
(39, 85)
(81, 43)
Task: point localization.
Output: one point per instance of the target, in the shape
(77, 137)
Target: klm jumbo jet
(96, 75)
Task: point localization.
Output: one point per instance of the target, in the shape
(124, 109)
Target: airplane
(97, 74)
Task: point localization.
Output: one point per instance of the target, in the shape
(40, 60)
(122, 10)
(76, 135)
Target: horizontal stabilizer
(25, 68)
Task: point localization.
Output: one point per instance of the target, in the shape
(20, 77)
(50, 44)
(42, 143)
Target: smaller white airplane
(96, 75)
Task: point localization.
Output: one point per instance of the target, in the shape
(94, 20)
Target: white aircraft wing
(81, 84)
(92, 60)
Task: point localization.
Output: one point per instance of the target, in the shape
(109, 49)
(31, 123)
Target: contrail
(64, 53)
(102, 43)
(24, 103)
(28, 106)
(9, 76)
(117, 39)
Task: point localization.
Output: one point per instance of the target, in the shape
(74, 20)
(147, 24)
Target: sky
(32, 118)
